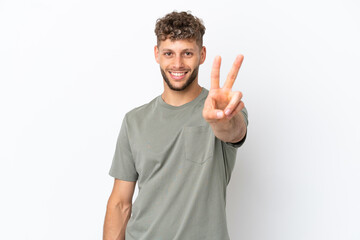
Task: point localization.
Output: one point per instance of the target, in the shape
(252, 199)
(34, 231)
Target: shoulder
(206, 92)
(141, 111)
(202, 97)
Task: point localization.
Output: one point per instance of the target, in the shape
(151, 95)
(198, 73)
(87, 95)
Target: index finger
(234, 72)
(215, 73)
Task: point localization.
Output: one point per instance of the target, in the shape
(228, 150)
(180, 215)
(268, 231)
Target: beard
(186, 84)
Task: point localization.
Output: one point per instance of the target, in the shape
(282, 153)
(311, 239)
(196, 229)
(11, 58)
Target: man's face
(179, 62)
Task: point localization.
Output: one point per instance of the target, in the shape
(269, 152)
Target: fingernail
(227, 111)
(219, 114)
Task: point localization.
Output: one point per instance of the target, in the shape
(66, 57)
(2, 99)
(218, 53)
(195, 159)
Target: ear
(156, 53)
(202, 55)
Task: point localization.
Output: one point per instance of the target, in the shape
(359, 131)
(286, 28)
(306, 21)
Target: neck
(178, 98)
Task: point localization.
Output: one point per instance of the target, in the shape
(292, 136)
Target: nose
(178, 62)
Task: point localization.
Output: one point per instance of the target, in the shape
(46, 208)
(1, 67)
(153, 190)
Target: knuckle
(205, 115)
(239, 94)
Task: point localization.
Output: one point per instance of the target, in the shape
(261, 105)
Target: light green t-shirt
(182, 171)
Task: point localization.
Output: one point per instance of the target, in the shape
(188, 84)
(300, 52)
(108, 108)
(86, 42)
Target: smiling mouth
(178, 75)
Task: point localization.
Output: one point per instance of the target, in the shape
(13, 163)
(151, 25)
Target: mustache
(178, 69)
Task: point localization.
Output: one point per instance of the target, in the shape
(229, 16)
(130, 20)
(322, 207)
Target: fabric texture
(182, 170)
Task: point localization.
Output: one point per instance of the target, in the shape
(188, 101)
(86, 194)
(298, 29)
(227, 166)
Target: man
(180, 147)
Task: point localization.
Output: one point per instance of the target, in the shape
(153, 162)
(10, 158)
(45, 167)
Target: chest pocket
(199, 144)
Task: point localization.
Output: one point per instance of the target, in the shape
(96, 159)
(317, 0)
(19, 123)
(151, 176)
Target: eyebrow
(185, 50)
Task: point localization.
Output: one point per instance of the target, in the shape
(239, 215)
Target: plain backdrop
(71, 69)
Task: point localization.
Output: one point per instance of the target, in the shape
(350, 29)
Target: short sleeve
(241, 142)
(230, 150)
(123, 165)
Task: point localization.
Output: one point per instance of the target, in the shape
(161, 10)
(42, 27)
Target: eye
(168, 54)
(188, 54)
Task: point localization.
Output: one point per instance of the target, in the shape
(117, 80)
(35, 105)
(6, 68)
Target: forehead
(178, 45)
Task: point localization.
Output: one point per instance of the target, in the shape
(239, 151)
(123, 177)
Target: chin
(185, 83)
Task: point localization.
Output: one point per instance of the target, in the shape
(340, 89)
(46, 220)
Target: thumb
(213, 114)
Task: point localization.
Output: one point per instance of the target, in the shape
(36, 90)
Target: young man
(180, 147)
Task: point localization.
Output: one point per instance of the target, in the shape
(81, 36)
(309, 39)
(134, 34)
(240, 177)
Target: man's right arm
(118, 210)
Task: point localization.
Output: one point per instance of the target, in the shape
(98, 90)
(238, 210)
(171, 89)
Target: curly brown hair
(179, 25)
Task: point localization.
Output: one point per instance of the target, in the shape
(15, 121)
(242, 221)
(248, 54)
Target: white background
(71, 69)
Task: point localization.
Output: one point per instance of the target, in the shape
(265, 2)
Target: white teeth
(178, 74)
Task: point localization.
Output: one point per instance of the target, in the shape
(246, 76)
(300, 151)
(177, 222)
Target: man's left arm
(233, 130)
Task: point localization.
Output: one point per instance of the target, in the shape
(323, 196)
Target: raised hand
(223, 103)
